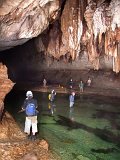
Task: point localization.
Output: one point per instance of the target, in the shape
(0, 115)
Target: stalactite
(112, 49)
(94, 26)
(72, 26)
(105, 17)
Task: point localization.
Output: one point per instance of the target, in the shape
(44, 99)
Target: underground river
(88, 131)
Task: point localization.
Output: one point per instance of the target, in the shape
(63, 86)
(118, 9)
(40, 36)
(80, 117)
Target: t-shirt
(71, 98)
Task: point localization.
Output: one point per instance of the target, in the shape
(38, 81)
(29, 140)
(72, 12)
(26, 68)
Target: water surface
(88, 131)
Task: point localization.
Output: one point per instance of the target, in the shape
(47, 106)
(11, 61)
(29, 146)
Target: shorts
(31, 122)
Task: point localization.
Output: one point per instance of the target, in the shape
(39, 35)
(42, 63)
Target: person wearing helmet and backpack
(30, 106)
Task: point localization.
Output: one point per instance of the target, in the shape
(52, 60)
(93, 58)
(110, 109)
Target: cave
(60, 40)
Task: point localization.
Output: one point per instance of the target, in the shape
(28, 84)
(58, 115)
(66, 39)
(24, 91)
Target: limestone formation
(62, 29)
(22, 20)
(14, 145)
(103, 23)
(5, 85)
(89, 27)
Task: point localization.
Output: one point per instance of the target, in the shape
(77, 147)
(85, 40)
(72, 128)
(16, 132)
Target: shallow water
(88, 131)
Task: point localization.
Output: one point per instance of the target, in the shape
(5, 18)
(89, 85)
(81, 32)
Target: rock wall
(75, 35)
(70, 29)
(103, 32)
(5, 85)
(22, 20)
(89, 28)
(13, 143)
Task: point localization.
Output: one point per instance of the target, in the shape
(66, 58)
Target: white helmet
(29, 94)
(73, 93)
(53, 91)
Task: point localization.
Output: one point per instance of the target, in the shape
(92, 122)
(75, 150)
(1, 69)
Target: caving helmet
(73, 93)
(29, 94)
(53, 91)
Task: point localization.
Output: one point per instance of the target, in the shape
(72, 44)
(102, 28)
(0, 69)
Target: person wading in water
(30, 106)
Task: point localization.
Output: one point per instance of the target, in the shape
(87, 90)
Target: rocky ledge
(14, 145)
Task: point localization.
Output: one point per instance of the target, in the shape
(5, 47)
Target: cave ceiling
(64, 28)
(21, 20)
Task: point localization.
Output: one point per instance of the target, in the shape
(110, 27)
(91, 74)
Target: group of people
(81, 84)
(30, 107)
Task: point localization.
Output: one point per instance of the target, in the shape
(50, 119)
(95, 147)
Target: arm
(24, 104)
(36, 104)
(35, 101)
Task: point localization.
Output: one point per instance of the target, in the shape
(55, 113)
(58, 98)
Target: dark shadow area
(110, 116)
(105, 151)
(101, 99)
(2, 114)
(103, 134)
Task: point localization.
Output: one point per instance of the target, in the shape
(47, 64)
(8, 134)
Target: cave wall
(25, 63)
(22, 20)
(85, 33)
(5, 86)
(90, 28)
(70, 35)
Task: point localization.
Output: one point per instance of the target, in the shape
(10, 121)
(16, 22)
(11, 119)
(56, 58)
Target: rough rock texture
(14, 145)
(64, 36)
(103, 32)
(9, 130)
(5, 85)
(84, 32)
(22, 20)
(89, 28)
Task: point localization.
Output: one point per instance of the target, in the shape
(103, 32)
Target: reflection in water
(89, 130)
(111, 116)
(52, 107)
(71, 114)
(104, 134)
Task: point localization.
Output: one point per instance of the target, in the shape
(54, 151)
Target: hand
(22, 110)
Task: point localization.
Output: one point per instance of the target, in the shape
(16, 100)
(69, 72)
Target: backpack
(49, 96)
(30, 109)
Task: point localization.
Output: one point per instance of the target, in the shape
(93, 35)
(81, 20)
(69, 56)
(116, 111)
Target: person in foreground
(30, 106)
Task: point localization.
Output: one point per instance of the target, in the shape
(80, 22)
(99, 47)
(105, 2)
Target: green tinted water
(89, 131)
